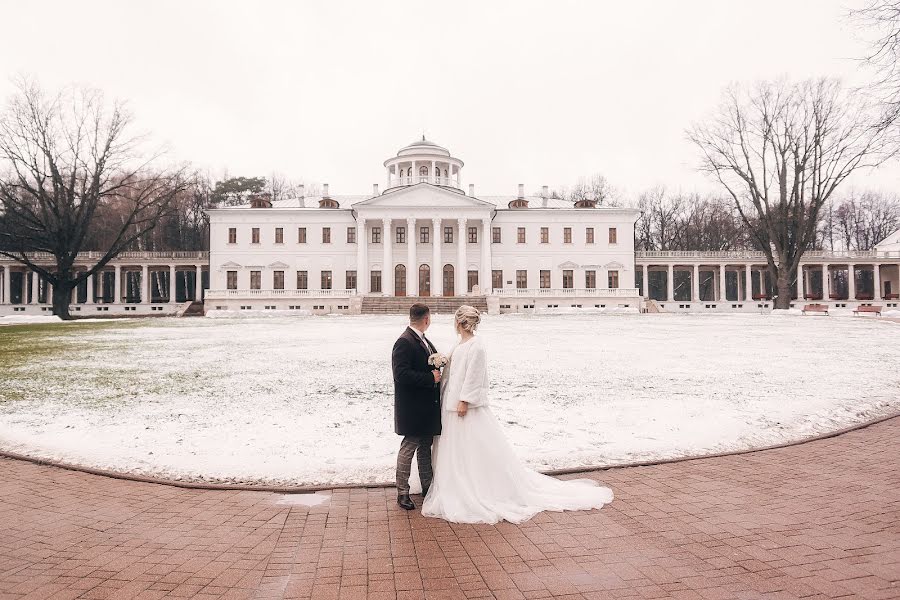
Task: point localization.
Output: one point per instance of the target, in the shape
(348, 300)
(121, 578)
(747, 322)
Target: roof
(427, 146)
(501, 202)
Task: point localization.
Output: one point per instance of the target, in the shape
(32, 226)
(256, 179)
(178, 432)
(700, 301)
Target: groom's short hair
(417, 312)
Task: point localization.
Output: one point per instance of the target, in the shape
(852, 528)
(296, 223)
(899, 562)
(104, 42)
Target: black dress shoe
(425, 492)
(405, 502)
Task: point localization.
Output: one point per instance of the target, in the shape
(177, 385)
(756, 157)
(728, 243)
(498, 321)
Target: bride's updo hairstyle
(468, 318)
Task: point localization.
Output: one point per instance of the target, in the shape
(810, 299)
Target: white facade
(421, 237)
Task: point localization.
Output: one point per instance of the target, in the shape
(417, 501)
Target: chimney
(302, 191)
(374, 189)
(472, 190)
(545, 193)
(521, 190)
(325, 190)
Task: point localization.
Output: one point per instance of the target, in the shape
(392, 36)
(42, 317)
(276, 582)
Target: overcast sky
(538, 93)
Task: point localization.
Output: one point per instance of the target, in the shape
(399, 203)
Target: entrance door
(448, 280)
(424, 280)
(400, 280)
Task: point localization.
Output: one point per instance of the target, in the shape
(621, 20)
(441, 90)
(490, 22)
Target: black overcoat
(417, 399)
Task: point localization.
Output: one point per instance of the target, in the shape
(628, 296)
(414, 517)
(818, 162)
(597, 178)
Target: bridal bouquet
(437, 360)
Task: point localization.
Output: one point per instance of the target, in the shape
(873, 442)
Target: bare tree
(781, 150)
(687, 222)
(881, 19)
(596, 187)
(69, 164)
(860, 220)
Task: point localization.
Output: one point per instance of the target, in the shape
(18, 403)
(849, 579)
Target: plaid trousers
(420, 445)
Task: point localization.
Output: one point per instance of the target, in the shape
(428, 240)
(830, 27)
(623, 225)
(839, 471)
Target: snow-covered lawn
(309, 399)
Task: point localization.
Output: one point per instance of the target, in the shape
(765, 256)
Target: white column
(32, 287)
(89, 297)
(723, 291)
(748, 283)
(486, 278)
(433, 176)
(462, 272)
(876, 275)
(412, 271)
(362, 272)
(117, 285)
(413, 178)
(800, 283)
(670, 282)
(102, 286)
(171, 283)
(645, 291)
(695, 284)
(851, 281)
(198, 283)
(7, 282)
(48, 296)
(145, 284)
(826, 284)
(437, 271)
(388, 260)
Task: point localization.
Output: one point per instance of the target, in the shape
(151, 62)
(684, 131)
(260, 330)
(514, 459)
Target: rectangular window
(496, 234)
(612, 235)
(232, 235)
(279, 235)
(545, 279)
(302, 280)
(376, 235)
(351, 235)
(448, 235)
(424, 235)
(521, 235)
(278, 280)
(497, 279)
(473, 235)
(521, 279)
(568, 279)
(400, 234)
(326, 280)
(473, 279)
(232, 280)
(326, 235)
(545, 235)
(589, 235)
(301, 235)
(375, 281)
(255, 280)
(351, 280)
(254, 235)
(613, 280)
(567, 235)
(590, 279)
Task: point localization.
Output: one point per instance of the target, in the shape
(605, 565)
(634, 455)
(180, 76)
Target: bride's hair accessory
(468, 317)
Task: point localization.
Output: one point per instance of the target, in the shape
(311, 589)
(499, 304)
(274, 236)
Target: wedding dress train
(477, 476)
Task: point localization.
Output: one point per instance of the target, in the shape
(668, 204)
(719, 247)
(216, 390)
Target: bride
(477, 476)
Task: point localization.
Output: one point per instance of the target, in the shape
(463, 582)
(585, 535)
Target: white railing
(225, 294)
(444, 181)
(760, 256)
(145, 255)
(569, 292)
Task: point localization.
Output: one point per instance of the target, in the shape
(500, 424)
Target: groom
(417, 401)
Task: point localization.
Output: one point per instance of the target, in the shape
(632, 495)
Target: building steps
(397, 305)
(193, 309)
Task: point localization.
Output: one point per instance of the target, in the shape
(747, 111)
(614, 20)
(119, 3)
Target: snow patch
(29, 319)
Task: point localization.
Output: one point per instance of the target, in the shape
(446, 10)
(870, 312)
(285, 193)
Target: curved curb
(308, 489)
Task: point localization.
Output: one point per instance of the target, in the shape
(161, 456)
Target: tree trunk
(62, 297)
(783, 288)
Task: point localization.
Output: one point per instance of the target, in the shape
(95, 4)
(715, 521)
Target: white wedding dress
(477, 476)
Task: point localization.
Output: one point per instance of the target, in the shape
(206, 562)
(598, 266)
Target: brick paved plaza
(819, 520)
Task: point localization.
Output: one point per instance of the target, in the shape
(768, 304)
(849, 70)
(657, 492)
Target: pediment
(279, 265)
(614, 265)
(568, 265)
(422, 195)
(230, 265)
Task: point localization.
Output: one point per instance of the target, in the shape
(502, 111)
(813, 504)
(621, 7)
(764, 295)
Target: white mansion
(425, 237)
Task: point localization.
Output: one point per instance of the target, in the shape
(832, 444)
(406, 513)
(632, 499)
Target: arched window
(423, 170)
(400, 280)
(448, 283)
(409, 172)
